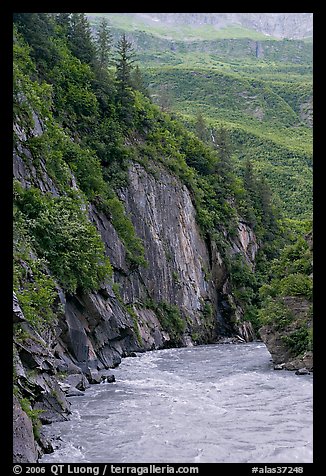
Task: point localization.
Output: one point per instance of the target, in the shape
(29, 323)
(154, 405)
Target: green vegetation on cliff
(64, 237)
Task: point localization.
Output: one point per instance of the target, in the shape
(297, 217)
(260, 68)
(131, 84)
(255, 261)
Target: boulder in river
(302, 371)
(78, 381)
(110, 378)
(279, 366)
(94, 376)
(107, 376)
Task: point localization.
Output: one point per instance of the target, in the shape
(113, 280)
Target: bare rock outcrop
(24, 448)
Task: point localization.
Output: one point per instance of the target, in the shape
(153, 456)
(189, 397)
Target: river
(205, 404)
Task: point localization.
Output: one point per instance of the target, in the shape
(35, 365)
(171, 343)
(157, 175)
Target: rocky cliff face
(36, 376)
(165, 218)
(182, 297)
(279, 25)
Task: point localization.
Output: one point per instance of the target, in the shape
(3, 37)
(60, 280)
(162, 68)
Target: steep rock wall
(183, 270)
(245, 243)
(165, 218)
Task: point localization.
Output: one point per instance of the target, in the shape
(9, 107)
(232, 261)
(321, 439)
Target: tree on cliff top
(80, 38)
(124, 63)
(104, 41)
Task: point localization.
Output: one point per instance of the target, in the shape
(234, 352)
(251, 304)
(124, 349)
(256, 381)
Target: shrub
(251, 315)
(169, 317)
(298, 341)
(64, 236)
(87, 169)
(125, 229)
(275, 313)
(296, 285)
(37, 296)
(33, 415)
(35, 288)
(240, 272)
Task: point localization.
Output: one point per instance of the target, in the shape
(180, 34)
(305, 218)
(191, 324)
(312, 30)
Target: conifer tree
(63, 19)
(268, 210)
(221, 143)
(80, 38)
(138, 81)
(250, 185)
(37, 28)
(104, 41)
(124, 62)
(164, 98)
(124, 66)
(249, 178)
(201, 127)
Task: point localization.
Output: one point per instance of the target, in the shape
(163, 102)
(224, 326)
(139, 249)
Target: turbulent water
(205, 404)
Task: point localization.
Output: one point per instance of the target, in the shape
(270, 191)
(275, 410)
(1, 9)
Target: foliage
(34, 287)
(296, 285)
(201, 128)
(80, 38)
(138, 81)
(276, 313)
(75, 102)
(169, 317)
(265, 120)
(298, 341)
(86, 167)
(290, 275)
(241, 274)
(104, 42)
(124, 227)
(74, 98)
(28, 95)
(64, 236)
(37, 29)
(175, 277)
(251, 315)
(171, 320)
(124, 67)
(209, 320)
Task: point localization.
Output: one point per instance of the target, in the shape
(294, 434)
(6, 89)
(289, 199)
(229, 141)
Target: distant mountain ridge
(277, 25)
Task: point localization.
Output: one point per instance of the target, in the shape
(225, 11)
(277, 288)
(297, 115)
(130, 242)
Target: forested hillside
(137, 228)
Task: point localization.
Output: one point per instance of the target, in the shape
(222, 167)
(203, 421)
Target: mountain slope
(265, 121)
(258, 88)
